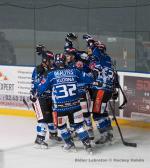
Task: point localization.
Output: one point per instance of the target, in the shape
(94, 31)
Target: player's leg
(52, 128)
(86, 105)
(41, 127)
(81, 131)
(72, 127)
(101, 116)
(65, 132)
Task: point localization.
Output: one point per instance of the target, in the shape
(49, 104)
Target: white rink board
(15, 83)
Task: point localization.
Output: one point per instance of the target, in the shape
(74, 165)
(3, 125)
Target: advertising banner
(137, 90)
(15, 84)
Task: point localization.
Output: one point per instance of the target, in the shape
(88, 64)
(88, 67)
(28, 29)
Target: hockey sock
(82, 133)
(103, 124)
(52, 128)
(66, 135)
(88, 122)
(41, 129)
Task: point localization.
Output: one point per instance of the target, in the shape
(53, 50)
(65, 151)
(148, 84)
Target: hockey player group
(70, 92)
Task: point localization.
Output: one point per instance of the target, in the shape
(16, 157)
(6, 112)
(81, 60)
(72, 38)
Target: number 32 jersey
(63, 83)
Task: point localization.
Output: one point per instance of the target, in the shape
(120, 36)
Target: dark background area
(122, 24)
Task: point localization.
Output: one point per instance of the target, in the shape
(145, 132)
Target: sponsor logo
(6, 86)
(3, 77)
(62, 80)
(63, 72)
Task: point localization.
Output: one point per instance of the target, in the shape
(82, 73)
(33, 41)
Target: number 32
(66, 90)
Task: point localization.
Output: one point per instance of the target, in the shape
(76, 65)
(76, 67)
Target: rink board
(15, 84)
(16, 112)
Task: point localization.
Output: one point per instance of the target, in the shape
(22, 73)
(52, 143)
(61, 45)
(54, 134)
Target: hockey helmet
(50, 55)
(84, 56)
(60, 60)
(70, 51)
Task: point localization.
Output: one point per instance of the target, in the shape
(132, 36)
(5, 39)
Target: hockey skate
(69, 147)
(54, 139)
(106, 138)
(54, 136)
(88, 147)
(40, 143)
(110, 137)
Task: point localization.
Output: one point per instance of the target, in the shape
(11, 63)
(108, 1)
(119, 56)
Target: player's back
(65, 91)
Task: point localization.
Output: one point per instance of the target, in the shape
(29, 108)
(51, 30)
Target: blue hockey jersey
(104, 70)
(39, 75)
(63, 83)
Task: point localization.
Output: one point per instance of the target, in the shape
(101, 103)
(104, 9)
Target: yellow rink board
(29, 113)
(16, 112)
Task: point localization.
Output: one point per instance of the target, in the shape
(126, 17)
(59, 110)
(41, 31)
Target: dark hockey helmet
(90, 43)
(68, 44)
(60, 60)
(47, 56)
(70, 51)
(50, 55)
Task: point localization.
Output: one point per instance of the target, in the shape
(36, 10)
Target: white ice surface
(17, 135)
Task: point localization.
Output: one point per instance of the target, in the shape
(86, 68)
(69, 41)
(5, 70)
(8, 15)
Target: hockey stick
(119, 87)
(26, 104)
(120, 132)
(124, 98)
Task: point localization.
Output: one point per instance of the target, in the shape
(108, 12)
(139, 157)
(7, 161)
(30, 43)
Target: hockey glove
(33, 96)
(40, 48)
(99, 84)
(72, 36)
(87, 37)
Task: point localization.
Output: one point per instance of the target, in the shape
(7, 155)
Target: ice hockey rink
(17, 149)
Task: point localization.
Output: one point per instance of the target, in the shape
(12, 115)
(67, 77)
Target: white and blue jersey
(105, 72)
(63, 83)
